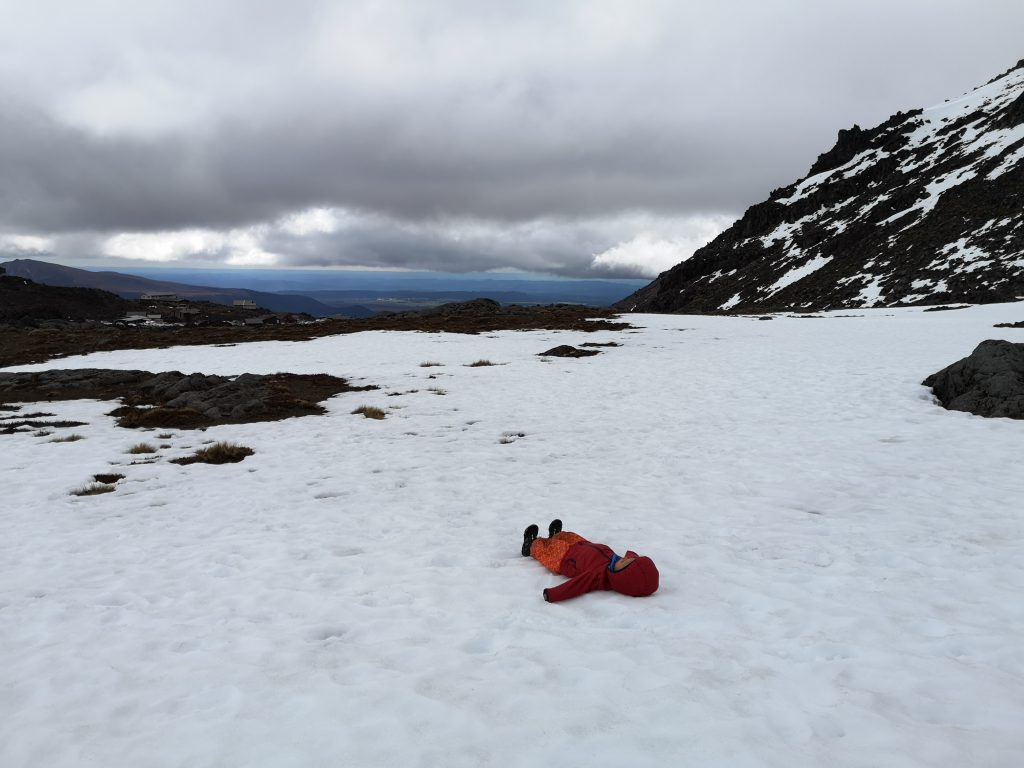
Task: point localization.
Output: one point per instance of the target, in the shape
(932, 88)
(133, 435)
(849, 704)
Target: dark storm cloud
(198, 115)
(559, 247)
(58, 178)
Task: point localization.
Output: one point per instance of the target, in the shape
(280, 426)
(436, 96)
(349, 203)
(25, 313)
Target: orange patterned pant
(549, 552)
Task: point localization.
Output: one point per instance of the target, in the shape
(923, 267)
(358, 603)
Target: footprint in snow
(346, 551)
(325, 634)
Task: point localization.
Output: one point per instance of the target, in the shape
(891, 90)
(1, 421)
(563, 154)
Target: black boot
(529, 535)
(554, 527)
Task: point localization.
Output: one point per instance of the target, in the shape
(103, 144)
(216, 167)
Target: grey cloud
(697, 110)
(61, 179)
(561, 247)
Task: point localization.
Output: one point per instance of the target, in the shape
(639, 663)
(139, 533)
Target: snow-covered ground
(841, 560)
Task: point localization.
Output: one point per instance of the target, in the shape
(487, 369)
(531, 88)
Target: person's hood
(638, 579)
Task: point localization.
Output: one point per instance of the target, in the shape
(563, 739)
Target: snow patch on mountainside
(938, 189)
(799, 273)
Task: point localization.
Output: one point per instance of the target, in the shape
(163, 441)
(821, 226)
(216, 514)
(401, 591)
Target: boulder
(565, 350)
(988, 382)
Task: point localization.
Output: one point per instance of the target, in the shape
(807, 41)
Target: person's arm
(577, 585)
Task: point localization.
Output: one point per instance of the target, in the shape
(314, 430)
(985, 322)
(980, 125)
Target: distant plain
(398, 291)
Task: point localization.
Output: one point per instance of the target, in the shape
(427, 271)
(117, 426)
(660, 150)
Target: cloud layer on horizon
(583, 138)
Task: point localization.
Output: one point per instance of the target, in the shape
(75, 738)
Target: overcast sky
(597, 138)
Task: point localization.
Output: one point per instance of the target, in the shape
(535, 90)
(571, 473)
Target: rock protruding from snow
(925, 208)
(567, 350)
(182, 401)
(988, 382)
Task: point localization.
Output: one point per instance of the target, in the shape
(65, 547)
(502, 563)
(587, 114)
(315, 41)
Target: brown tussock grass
(370, 412)
(93, 489)
(218, 453)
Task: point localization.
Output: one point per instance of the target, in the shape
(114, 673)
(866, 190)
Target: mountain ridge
(925, 207)
(133, 287)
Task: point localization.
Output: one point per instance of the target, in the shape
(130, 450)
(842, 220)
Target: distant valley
(324, 293)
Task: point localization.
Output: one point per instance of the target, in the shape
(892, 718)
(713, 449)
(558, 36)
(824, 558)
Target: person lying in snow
(589, 566)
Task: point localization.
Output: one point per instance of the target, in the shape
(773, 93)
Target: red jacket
(586, 565)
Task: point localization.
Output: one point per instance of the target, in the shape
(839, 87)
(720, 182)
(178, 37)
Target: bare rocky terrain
(26, 341)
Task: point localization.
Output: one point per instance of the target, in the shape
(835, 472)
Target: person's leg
(529, 536)
(549, 552)
(569, 536)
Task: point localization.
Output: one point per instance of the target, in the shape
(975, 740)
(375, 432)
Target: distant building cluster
(174, 310)
(160, 297)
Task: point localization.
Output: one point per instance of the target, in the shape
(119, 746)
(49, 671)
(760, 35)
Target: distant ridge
(926, 208)
(132, 287)
(24, 300)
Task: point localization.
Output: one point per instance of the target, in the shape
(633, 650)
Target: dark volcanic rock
(988, 382)
(565, 350)
(174, 399)
(925, 208)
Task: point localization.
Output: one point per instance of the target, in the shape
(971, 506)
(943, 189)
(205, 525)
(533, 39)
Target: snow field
(841, 559)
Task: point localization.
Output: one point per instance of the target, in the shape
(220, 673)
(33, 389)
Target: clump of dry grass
(218, 453)
(142, 448)
(437, 390)
(510, 437)
(480, 364)
(93, 489)
(72, 438)
(108, 478)
(370, 412)
(431, 364)
(164, 436)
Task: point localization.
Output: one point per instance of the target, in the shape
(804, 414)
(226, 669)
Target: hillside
(133, 287)
(927, 207)
(23, 299)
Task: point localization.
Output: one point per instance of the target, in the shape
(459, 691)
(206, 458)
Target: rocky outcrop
(471, 308)
(925, 208)
(567, 350)
(184, 401)
(988, 382)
